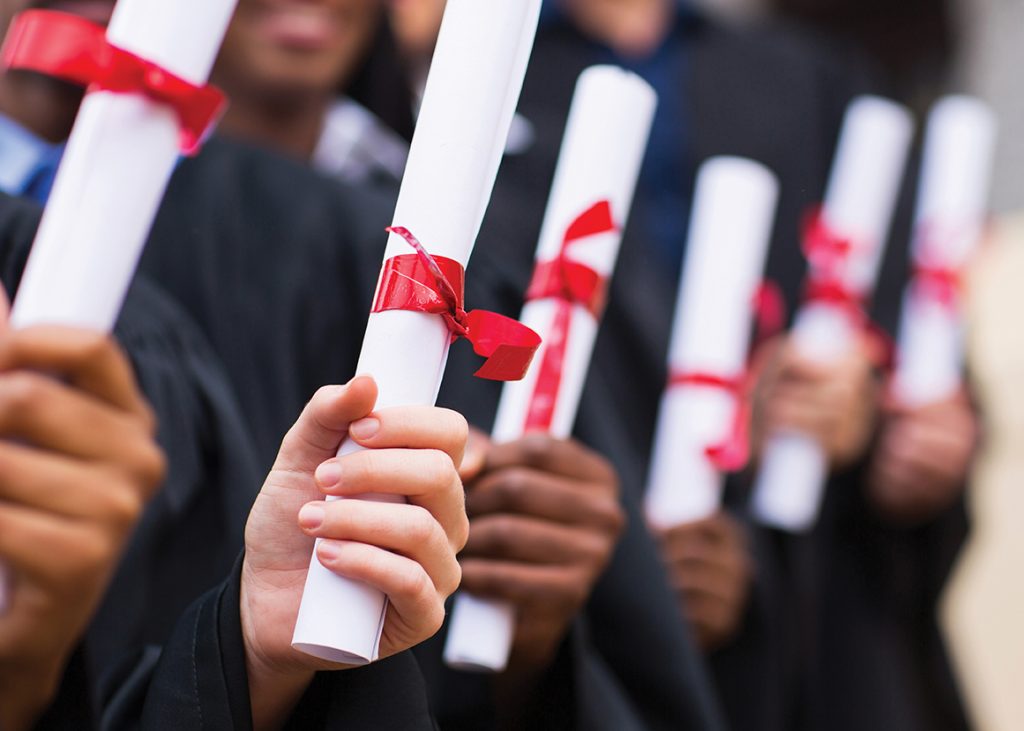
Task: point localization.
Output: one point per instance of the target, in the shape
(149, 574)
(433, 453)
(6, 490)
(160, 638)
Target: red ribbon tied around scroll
(733, 452)
(75, 50)
(569, 283)
(827, 254)
(935, 281)
(436, 285)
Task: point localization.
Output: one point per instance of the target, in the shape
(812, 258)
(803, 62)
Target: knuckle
(20, 392)
(414, 583)
(423, 529)
(439, 469)
(513, 484)
(502, 535)
(534, 449)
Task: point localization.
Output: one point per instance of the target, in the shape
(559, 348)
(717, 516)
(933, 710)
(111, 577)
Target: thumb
(475, 457)
(5, 311)
(324, 423)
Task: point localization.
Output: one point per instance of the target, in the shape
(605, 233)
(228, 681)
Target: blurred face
(416, 24)
(292, 48)
(98, 11)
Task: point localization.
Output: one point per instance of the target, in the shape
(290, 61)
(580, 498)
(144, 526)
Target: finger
(405, 529)
(712, 577)
(529, 492)
(413, 427)
(561, 457)
(323, 424)
(74, 553)
(475, 459)
(425, 477)
(413, 596)
(89, 360)
(523, 585)
(517, 538)
(50, 415)
(52, 484)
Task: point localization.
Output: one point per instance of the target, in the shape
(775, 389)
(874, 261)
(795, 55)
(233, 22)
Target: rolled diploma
(119, 158)
(952, 205)
(859, 203)
(471, 95)
(604, 145)
(731, 226)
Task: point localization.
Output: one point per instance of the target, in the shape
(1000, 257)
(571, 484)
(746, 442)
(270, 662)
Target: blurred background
(976, 46)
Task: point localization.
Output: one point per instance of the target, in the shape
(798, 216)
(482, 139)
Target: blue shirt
(28, 164)
(665, 188)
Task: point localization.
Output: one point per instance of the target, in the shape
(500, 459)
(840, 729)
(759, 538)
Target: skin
(711, 570)
(406, 550)
(922, 459)
(544, 520)
(633, 28)
(836, 403)
(416, 24)
(283, 63)
(41, 105)
(78, 462)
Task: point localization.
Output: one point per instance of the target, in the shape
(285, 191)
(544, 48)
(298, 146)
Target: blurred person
(292, 68)
(914, 44)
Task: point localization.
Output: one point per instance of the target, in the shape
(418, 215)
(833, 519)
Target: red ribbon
(436, 285)
(733, 452)
(75, 50)
(570, 283)
(827, 253)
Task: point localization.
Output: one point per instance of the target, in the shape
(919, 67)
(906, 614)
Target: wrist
(275, 687)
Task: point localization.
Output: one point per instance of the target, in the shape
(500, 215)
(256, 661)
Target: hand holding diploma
(930, 430)
(80, 462)
(470, 98)
(147, 102)
(603, 148)
(844, 244)
(404, 549)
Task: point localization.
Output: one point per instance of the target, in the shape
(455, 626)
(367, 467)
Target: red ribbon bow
(75, 50)
(570, 283)
(436, 285)
(827, 253)
(733, 452)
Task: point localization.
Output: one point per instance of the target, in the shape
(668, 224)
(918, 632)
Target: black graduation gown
(149, 660)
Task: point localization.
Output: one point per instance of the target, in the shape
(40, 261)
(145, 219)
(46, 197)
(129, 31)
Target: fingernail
(328, 551)
(364, 428)
(328, 474)
(312, 516)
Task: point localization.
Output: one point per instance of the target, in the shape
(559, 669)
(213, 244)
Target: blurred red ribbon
(436, 285)
(570, 283)
(827, 254)
(75, 50)
(733, 452)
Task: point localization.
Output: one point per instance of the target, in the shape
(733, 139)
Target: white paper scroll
(471, 95)
(951, 211)
(604, 145)
(731, 226)
(859, 205)
(119, 158)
